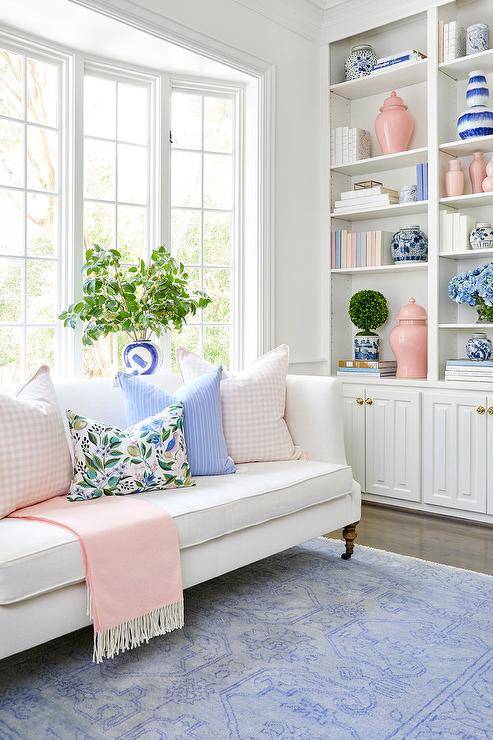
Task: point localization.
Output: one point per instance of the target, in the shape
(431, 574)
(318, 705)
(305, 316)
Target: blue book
(366, 370)
(425, 181)
(395, 60)
(419, 174)
(470, 363)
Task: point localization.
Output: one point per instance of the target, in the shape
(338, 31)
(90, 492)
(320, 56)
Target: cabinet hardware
(480, 409)
(490, 410)
(360, 402)
(369, 401)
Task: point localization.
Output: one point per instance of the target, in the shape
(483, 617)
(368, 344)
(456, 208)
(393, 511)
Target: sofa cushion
(37, 557)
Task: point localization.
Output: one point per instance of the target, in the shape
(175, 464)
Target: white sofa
(223, 523)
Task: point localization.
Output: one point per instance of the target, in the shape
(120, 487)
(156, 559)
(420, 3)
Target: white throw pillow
(35, 460)
(253, 404)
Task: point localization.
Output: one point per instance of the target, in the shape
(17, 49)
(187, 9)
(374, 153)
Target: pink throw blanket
(132, 566)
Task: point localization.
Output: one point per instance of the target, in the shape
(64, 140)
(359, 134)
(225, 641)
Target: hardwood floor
(452, 542)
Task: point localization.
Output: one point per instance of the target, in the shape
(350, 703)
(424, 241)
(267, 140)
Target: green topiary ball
(368, 310)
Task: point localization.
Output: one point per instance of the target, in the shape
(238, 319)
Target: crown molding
(302, 17)
(357, 16)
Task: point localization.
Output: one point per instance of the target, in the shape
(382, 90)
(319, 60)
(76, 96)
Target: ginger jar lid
(393, 101)
(412, 311)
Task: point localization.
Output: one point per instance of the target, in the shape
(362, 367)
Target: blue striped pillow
(206, 447)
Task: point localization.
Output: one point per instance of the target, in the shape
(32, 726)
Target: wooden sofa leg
(349, 533)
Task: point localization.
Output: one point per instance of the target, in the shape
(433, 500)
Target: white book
(368, 192)
(456, 232)
(446, 32)
(467, 224)
(332, 146)
(351, 145)
(440, 41)
(339, 145)
(345, 144)
(447, 233)
(443, 215)
(399, 54)
(361, 208)
(378, 200)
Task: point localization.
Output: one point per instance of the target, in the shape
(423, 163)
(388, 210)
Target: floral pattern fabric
(113, 462)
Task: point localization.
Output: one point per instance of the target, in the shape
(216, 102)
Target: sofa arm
(315, 416)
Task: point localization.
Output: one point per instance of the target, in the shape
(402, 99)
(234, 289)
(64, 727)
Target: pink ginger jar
(477, 172)
(394, 125)
(409, 341)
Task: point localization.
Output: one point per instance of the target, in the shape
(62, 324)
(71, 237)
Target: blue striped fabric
(204, 438)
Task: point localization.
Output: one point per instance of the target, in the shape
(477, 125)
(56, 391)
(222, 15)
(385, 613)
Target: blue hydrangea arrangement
(475, 288)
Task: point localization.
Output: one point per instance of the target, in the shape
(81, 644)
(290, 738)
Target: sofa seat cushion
(36, 557)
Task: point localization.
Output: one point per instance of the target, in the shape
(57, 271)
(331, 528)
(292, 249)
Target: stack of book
(402, 57)
(367, 368)
(454, 231)
(467, 370)
(360, 249)
(422, 181)
(451, 41)
(355, 201)
(348, 145)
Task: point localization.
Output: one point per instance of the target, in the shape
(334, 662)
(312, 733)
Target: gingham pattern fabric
(34, 455)
(253, 404)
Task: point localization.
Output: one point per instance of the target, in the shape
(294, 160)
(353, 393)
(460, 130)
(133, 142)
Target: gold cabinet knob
(490, 410)
(369, 401)
(480, 409)
(360, 402)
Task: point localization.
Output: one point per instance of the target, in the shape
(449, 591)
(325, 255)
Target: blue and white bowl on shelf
(366, 347)
(409, 244)
(142, 357)
(478, 347)
(360, 62)
(477, 119)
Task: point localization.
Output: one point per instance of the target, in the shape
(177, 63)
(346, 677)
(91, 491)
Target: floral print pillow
(112, 462)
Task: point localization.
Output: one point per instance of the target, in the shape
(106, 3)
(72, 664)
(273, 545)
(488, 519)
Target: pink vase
(409, 341)
(454, 178)
(477, 172)
(394, 125)
(488, 181)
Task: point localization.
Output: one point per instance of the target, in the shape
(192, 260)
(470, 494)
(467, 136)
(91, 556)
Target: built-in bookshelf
(435, 95)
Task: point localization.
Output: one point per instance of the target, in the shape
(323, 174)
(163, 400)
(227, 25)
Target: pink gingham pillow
(34, 455)
(253, 404)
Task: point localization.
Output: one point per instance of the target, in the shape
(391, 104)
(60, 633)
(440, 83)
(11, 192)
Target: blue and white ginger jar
(477, 38)
(366, 347)
(481, 237)
(142, 357)
(478, 347)
(477, 119)
(360, 62)
(409, 244)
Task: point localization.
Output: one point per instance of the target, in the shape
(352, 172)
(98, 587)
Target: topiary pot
(366, 346)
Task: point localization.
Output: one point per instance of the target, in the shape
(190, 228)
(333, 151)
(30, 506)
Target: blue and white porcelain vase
(366, 346)
(477, 38)
(482, 236)
(409, 244)
(478, 347)
(360, 62)
(477, 119)
(142, 357)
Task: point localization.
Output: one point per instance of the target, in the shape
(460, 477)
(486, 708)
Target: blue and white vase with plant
(475, 288)
(143, 301)
(477, 119)
(368, 310)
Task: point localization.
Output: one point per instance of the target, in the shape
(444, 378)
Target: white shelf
(468, 254)
(469, 327)
(409, 73)
(399, 209)
(471, 200)
(459, 69)
(384, 162)
(466, 147)
(398, 267)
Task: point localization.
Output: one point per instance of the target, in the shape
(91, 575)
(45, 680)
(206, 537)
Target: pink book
(353, 249)
(344, 248)
(373, 248)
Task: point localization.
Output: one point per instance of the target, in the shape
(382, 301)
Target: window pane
(41, 291)
(132, 232)
(99, 169)
(40, 347)
(11, 84)
(42, 159)
(12, 222)
(217, 238)
(98, 359)
(216, 345)
(218, 124)
(42, 92)
(189, 338)
(132, 174)
(42, 225)
(11, 154)
(99, 107)
(186, 120)
(217, 285)
(194, 283)
(10, 290)
(185, 235)
(133, 105)
(218, 181)
(99, 225)
(10, 355)
(186, 179)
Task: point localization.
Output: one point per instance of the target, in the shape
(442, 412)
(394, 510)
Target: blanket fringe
(131, 634)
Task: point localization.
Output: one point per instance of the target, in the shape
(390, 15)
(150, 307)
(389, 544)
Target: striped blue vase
(477, 119)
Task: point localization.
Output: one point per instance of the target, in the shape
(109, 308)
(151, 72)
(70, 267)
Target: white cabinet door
(393, 452)
(454, 450)
(354, 430)
(489, 457)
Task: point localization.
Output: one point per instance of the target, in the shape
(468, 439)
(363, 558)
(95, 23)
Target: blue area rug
(301, 645)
